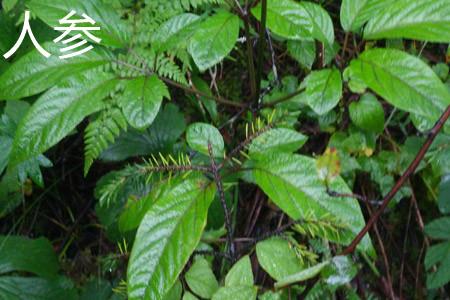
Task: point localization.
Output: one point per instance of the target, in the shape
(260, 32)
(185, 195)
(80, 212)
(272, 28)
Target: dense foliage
(227, 150)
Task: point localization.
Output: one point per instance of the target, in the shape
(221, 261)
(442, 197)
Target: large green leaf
(22, 254)
(438, 255)
(323, 90)
(401, 79)
(444, 194)
(323, 29)
(292, 182)
(287, 18)
(277, 257)
(113, 31)
(142, 100)
(201, 280)
(354, 13)
(56, 113)
(169, 29)
(303, 51)
(199, 135)
(277, 140)
(35, 288)
(157, 138)
(166, 238)
(33, 73)
(438, 229)
(427, 20)
(240, 292)
(214, 39)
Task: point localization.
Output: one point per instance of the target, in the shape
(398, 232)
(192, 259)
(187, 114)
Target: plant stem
(409, 171)
(262, 45)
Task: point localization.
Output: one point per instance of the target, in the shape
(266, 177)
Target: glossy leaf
(340, 271)
(113, 31)
(291, 181)
(401, 79)
(236, 293)
(172, 27)
(354, 13)
(142, 100)
(56, 113)
(166, 238)
(323, 90)
(201, 280)
(287, 18)
(33, 73)
(367, 113)
(302, 275)
(277, 140)
(214, 39)
(240, 274)
(277, 257)
(323, 29)
(303, 51)
(427, 20)
(199, 135)
(444, 195)
(22, 254)
(189, 296)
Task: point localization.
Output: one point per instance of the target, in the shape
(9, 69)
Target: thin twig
(409, 171)
(218, 180)
(261, 47)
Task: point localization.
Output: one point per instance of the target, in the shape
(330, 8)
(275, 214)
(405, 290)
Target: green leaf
(34, 288)
(199, 135)
(303, 51)
(277, 257)
(113, 30)
(323, 90)
(287, 18)
(171, 28)
(189, 296)
(22, 254)
(302, 275)
(438, 255)
(236, 293)
(292, 182)
(158, 138)
(444, 194)
(240, 274)
(354, 13)
(214, 39)
(167, 237)
(427, 20)
(340, 271)
(56, 113)
(201, 280)
(367, 113)
(401, 79)
(142, 100)
(175, 292)
(323, 29)
(438, 229)
(277, 140)
(33, 73)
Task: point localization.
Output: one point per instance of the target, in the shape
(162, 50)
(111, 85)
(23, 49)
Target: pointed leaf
(302, 275)
(241, 273)
(277, 140)
(287, 18)
(323, 29)
(427, 20)
(113, 30)
(142, 100)
(291, 181)
(33, 73)
(167, 237)
(56, 113)
(439, 228)
(214, 39)
(201, 280)
(354, 13)
(401, 79)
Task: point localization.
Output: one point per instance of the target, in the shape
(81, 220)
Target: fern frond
(102, 132)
